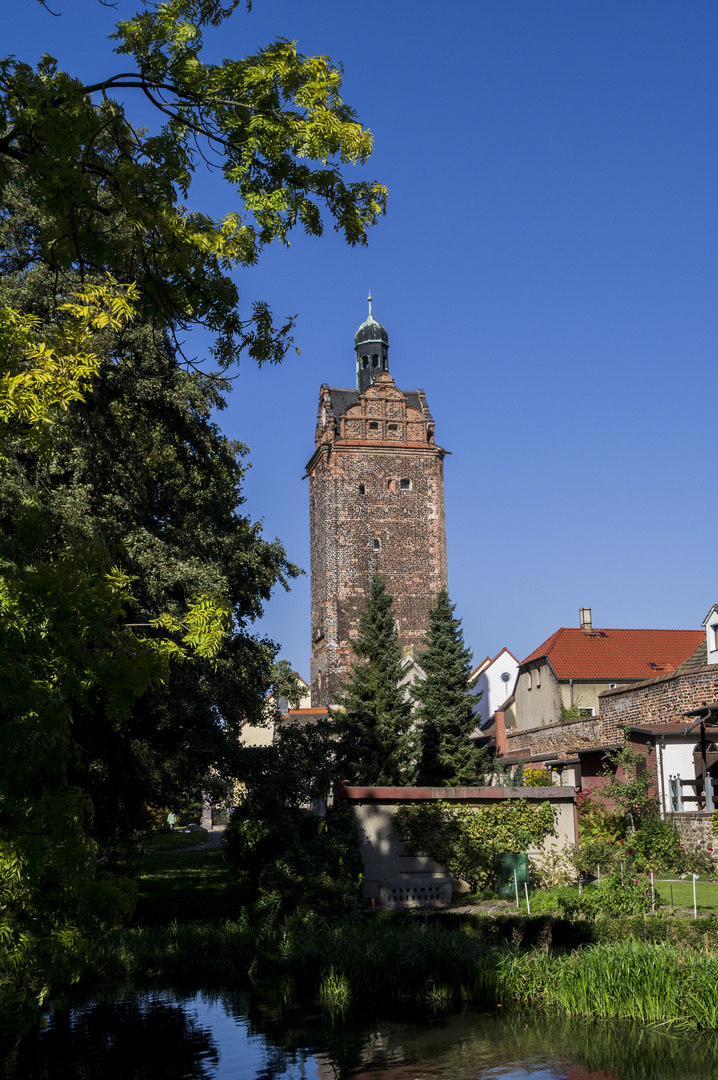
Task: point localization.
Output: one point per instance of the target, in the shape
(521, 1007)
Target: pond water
(233, 1035)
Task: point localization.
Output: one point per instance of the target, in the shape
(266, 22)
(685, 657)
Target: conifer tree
(444, 714)
(373, 722)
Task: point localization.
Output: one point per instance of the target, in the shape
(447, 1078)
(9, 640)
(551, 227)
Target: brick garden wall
(658, 702)
(559, 738)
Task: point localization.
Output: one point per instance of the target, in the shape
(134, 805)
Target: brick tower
(376, 490)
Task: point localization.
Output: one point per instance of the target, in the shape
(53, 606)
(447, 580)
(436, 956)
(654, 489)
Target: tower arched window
(375, 361)
(365, 362)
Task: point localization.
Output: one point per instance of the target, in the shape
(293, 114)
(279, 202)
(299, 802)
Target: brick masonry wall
(559, 738)
(658, 702)
(398, 532)
(696, 832)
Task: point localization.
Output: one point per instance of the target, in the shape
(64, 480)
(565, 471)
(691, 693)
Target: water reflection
(233, 1035)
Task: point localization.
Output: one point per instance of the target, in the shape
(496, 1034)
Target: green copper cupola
(371, 343)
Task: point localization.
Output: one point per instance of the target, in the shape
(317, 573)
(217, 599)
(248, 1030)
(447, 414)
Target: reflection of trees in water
(146, 1037)
(138, 1038)
(461, 1045)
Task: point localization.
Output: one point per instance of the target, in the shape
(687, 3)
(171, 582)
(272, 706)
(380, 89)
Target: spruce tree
(373, 721)
(444, 713)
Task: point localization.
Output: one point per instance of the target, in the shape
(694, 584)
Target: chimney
(502, 745)
(584, 618)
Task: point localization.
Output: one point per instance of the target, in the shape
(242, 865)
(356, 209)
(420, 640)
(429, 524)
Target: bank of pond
(651, 969)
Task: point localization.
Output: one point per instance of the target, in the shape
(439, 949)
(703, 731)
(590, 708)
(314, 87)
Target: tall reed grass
(431, 965)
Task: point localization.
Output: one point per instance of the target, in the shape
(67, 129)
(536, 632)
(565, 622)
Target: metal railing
(691, 794)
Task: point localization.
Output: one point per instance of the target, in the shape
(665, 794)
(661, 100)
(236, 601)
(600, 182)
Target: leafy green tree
(372, 720)
(135, 482)
(139, 470)
(273, 124)
(628, 786)
(444, 713)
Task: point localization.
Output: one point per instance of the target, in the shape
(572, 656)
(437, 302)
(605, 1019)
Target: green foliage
(372, 721)
(444, 715)
(465, 840)
(655, 846)
(613, 898)
(273, 124)
(595, 822)
(630, 792)
(122, 554)
(294, 863)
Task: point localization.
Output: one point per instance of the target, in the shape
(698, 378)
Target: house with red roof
(563, 678)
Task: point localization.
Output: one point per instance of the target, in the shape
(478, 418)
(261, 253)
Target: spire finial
(369, 298)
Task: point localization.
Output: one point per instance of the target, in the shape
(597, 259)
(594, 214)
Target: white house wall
(494, 691)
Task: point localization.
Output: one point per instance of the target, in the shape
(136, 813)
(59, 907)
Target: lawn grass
(175, 841)
(183, 886)
(706, 893)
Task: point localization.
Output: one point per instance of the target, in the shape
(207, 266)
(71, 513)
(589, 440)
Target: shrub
(295, 862)
(465, 840)
(611, 898)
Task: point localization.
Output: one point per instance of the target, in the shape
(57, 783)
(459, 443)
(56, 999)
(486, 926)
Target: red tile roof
(613, 655)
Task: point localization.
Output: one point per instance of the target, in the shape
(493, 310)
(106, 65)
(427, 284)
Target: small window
(530, 680)
(365, 362)
(373, 426)
(393, 427)
(538, 677)
(714, 643)
(405, 484)
(375, 361)
(362, 489)
(377, 545)
(587, 711)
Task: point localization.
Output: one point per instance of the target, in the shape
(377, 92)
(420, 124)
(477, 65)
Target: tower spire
(371, 343)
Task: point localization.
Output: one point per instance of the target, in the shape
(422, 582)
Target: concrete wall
(384, 856)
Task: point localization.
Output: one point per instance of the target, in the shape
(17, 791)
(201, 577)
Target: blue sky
(546, 272)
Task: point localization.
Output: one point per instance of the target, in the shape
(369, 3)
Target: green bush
(294, 862)
(465, 840)
(612, 898)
